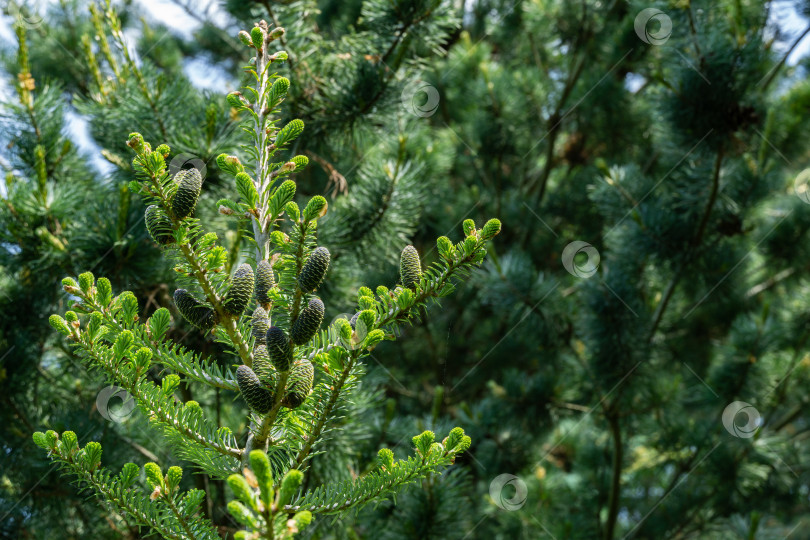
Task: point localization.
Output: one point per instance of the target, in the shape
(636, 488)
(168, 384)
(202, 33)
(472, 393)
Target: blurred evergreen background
(669, 139)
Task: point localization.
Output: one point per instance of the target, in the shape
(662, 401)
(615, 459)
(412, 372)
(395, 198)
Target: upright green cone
(308, 322)
(410, 269)
(259, 324)
(158, 225)
(258, 398)
(314, 270)
(264, 281)
(238, 296)
(189, 183)
(299, 384)
(197, 313)
(279, 349)
(263, 368)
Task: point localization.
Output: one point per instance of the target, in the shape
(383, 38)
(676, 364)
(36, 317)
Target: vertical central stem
(259, 224)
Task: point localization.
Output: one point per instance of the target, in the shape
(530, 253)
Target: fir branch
(160, 408)
(117, 492)
(324, 415)
(158, 179)
(340, 496)
(170, 355)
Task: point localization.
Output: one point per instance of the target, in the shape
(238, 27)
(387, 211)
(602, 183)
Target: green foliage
(296, 396)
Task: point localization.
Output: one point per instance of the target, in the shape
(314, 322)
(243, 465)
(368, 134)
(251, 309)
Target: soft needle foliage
(296, 377)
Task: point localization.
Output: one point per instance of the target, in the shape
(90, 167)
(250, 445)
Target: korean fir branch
(387, 478)
(264, 197)
(164, 508)
(262, 200)
(274, 507)
(127, 365)
(172, 224)
(386, 310)
(117, 316)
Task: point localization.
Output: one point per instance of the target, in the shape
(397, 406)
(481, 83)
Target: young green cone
(308, 322)
(258, 398)
(158, 225)
(259, 324)
(299, 384)
(263, 368)
(197, 313)
(264, 281)
(238, 296)
(314, 270)
(188, 183)
(279, 349)
(410, 269)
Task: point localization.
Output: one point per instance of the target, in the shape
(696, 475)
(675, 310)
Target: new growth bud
(491, 228)
(257, 37)
(316, 207)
